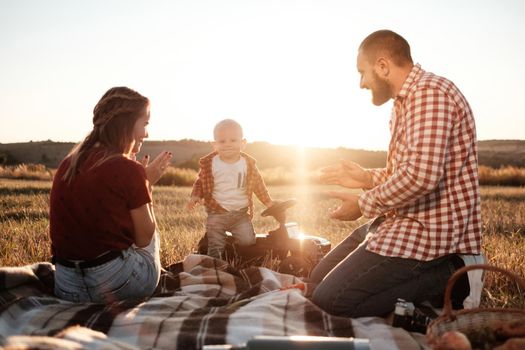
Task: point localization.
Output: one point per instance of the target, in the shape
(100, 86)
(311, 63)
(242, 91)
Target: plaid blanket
(199, 301)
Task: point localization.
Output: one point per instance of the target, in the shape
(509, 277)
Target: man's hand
(349, 209)
(194, 201)
(347, 174)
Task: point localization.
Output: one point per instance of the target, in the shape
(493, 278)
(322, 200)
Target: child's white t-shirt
(229, 183)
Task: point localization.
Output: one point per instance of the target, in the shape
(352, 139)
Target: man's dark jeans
(354, 282)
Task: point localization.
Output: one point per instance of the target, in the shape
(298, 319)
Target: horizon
(284, 69)
(254, 142)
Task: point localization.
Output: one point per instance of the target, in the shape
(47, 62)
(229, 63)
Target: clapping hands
(347, 174)
(350, 175)
(348, 210)
(156, 167)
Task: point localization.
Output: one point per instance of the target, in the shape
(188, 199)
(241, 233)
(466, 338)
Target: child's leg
(242, 228)
(216, 227)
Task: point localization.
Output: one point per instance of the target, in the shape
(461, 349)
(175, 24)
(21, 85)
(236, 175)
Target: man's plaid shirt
(429, 190)
(203, 186)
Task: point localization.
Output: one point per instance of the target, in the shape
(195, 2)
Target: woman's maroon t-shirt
(92, 215)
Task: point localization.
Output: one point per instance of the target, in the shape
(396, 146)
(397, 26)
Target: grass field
(24, 224)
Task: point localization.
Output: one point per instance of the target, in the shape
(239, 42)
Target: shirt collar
(410, 80)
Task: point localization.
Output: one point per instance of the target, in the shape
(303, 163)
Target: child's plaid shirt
(203, 186)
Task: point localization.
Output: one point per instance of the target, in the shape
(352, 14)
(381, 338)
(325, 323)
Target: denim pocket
(119, 293)
(413, 266)
(137, 284)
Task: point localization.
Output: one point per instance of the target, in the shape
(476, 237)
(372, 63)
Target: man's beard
(381, 91)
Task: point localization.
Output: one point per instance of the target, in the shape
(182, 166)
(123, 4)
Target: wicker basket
(476, 319)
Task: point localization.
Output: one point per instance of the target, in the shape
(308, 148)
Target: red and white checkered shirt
(429, 190)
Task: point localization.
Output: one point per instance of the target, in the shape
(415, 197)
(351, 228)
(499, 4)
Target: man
(426, 201)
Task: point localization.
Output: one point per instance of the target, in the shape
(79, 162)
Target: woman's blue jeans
(134, 275)
(354, 282)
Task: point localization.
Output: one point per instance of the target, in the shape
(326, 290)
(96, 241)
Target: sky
(285, 69)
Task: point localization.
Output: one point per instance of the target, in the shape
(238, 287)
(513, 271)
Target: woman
(102, 226)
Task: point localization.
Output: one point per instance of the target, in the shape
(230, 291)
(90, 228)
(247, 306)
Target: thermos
(297, 343)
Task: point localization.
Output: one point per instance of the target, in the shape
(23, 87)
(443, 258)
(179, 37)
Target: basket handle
(447, 307)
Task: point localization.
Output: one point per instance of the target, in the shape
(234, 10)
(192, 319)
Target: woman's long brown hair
(114, 118)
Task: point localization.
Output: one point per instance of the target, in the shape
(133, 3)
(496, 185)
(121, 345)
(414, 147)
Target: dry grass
(26, 172)
(506, 176)
(24, 226)
(178, 177)
(279, 176)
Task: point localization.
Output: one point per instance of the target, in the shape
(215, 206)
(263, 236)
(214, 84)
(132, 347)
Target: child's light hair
(226, 123)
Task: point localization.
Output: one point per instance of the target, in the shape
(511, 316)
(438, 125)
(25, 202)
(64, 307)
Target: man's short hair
(386, 42)
(227, 123)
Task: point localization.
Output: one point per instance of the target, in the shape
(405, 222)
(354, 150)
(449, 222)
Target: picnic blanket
(199, 301)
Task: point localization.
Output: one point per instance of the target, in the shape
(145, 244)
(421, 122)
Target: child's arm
(196, 193)
(260, 189)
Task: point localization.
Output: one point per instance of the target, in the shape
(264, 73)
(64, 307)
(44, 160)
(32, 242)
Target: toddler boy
(226, 182)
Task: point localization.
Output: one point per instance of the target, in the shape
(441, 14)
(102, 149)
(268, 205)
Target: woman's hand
(347, 174)
(156, 168)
